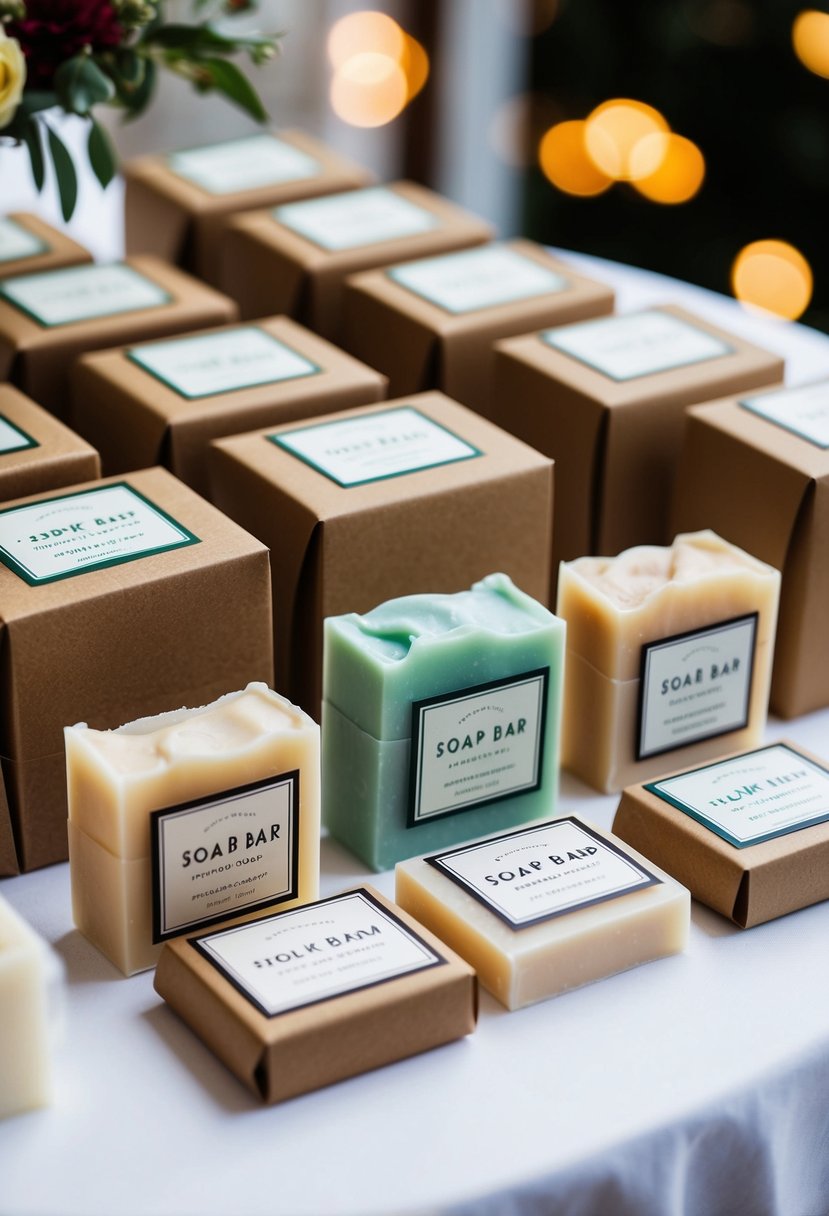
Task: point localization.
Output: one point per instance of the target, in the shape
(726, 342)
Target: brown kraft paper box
(421, 495)
(36, 354)
(766, 488)
(118, 599)
(38, 453)
(295, 259)
(282, 1039)
(28, 244)
(616, 441)
(137, 417)
(431, 324)
(181, 218)
(759, 881)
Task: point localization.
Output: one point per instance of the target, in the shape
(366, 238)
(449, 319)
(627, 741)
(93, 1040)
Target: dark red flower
(55, 30)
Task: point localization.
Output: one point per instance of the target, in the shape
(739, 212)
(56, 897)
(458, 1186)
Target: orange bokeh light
(613, 130)
(564, 160)
(366, 30)
(810, 39)
(772, 276)
(369, 90)
(667, 168)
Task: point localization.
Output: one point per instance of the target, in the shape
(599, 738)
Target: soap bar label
(754, 797)
(243, 164)
(223, 855)
(477, 746)
(17, 242)
(315, 953)
(804, 411)
(12, 439)
(696, 686)
(222, 362)
(640, 344)
(374, 447)
(538, 873)
(69, 534)
(81, 293)
(475, 279)
(355, 218)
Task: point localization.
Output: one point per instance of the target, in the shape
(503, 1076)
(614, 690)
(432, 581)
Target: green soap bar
(440, 719)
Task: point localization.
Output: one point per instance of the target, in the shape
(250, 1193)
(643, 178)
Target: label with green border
(243, 164)
(12, 438)
(473, 279)
(69, 534)
(375, 447)
(17, 242)
(355, 218)
(214, 363)
(803, 411)
(82, 293)
(757, 796)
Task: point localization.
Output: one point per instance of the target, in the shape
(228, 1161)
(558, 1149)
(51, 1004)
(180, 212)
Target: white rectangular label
(16, 242)
(640, 344)
(754, 797)
(804, 411)
(696, 686)
(477, 746)
(66, 535)
(478, 278)
(372, 447)
(317, 952)
(224, 855)
(79, 293)
(243, 164)
(538, 873)
(12, 439)
(355, 218)
(222, 362)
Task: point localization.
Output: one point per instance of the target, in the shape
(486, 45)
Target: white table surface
(694, 1086)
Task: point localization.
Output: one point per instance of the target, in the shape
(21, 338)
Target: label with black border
(355, 218)
(803, 411)
(544, 871)
(695, 686)
(69, 534)
(243, 164)
(637, 344)
(474, 279)
(209, 364)
(17, 242)
(12, 438)
(82, 293)
(375, 447)
(316, 953)
(224, 855)
(757, 796)
(476, 746)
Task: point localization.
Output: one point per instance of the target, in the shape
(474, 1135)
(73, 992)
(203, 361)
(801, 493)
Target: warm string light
(772, 276)
(378, 68)
(810, 39)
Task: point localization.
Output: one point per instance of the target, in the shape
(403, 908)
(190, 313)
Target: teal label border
(16, 567)
(28, 440)
(693, 812)
(165, 299)
(747, 403)
(473, 454)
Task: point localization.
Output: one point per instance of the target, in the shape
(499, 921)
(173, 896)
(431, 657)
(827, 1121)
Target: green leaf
(80, 84)
(101, 154)
(228, 79)
(31, 134)
(129, 69)
(136, 100)
(38, 99)
(65, 174)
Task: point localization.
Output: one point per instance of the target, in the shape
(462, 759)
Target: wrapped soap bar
(189, 818)
(669, 654)
(546, 908)
(440, 719)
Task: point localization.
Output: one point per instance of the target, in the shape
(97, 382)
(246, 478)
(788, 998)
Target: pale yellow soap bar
(28, 987)
(669, 655)
(189, 818)
(546, 908)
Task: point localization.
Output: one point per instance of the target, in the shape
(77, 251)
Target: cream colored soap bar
(669, 654)
(546, 908)
(189, 818)
(28, 982)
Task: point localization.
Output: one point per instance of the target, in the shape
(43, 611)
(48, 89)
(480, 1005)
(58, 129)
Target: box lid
(31, 436)
(42, 247)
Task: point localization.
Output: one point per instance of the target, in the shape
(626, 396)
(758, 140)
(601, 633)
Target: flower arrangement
(73, 55)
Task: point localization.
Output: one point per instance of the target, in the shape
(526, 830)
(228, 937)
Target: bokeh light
(378, 68)
(772, 276)
(810, 39)
(366, 30)
(564, 160)
(667, 168)
(613, 130)
(415, 64)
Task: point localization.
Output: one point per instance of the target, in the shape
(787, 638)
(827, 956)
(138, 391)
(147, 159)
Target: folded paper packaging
(28, 244)
(38, 453)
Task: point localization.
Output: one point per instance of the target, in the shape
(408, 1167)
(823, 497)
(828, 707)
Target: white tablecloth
(695, 1086)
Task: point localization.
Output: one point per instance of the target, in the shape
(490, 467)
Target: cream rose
(12, 78)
